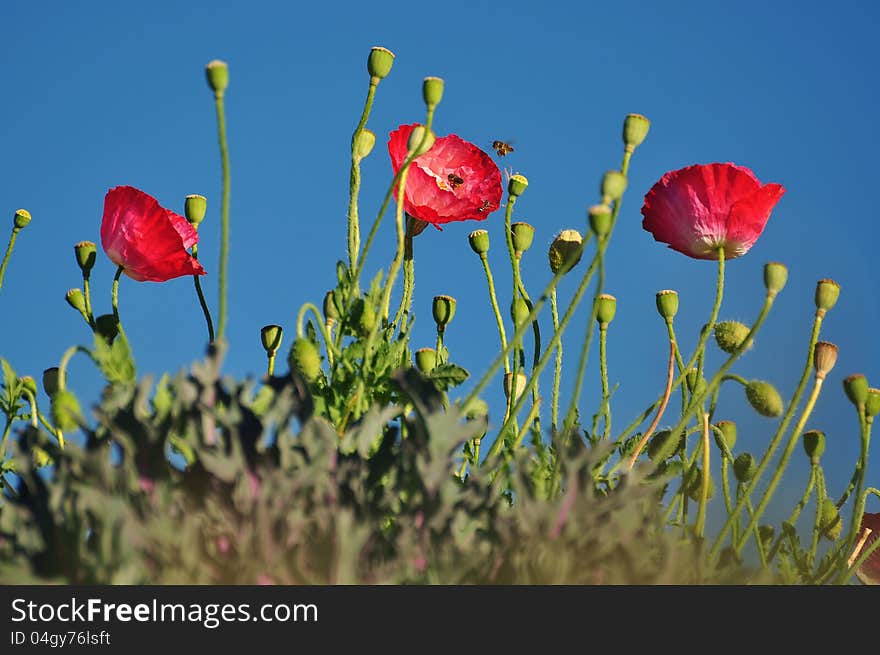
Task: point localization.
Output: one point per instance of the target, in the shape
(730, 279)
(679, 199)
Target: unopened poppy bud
(76, 299)
(744, 467)
(824, 358)
(856, 388)
(730, 335)
(635, 129)
(523, 235)
(217, 73)
(29, 383)
(50, 381)
(606, 308)
(696, 383)
(663, 445)
(21, 219)
(667, 303)
(305, 358)
(764, 398)
(695, 485)
(728, 434)
(415, 146)
(271, 336)
(775, 277)
(194, 208)
(426, 359)
(521, 382)
(600, 219)
(432, 91)
(106, 326)
(827, 293)
(379, 62)
(831, 524)
(479, 241)
(872, 404)
(516, 185)
(519, 310)
(364, 316)
(86, 253)
(814, 445)
(565, 251)
(363, 143)
(766, 532)
(443, 309)
(65, 411)
(331, 312)
(613, 186)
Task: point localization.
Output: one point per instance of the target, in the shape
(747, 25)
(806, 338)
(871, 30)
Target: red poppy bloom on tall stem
(701, 208)
(147, 240)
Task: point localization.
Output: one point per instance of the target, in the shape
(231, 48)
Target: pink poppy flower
(147, 240)
(869, 572)
(701, 208)
(453, 181)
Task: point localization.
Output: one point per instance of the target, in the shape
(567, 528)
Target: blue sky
(100, 94)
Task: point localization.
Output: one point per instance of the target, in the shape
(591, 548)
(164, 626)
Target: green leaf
(162, 399)
(12, 387)
(446, 376)
(115, 361)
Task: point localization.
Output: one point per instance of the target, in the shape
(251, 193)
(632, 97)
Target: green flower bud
(523, 234)
(76, 299)
(364, 141)
(613, 186)
(696, 385)
(106, 326)
(86, 253)
(695, 485)
(40, 457)
(516, 185)
(432, 91)
(331, 311)
(764, 398)
(271, 336)
(21, 219)
(606, 308)
(775, 277)
(872, 404)
(856, 388)
(194, 208)
(443, 309)
(426, 359)
(305, 358)
(565, 251)
(479, 240)
(521, 382)
(600, 219)
(50, 381)
(831, 523)
(65, 411)
(744, 467)
(766, 533)
(827, 293)
(667, 303)
(728, 433)
(814, 445)
(635, 129)
(29, 383)
(663, 445)
(519, 311)
(415, 145)
(217, 73)
(379, 62)
(364, 316)
(824, 358)
(730, 335)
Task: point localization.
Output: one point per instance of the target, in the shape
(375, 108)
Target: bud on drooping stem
(730, 335)
(479, 241)
(667, 303)
(521, 382)
(414, 144)
(85, 252)
(635, 129)
(379, 63)
(814, 445)
(824, 358)
(744, 467)
(728, 433)
(764, 398)
(443, 309)
(565, 251)
(29, 383)
(50, 381)
(217, 73)
(827, 293)
(516, 185)
(523, 234)
(856, 388)
(305, 358)
(600, 219)
(663, 445)
(775, 277)
(831, 524)
(696, 383)
(194, 208)
(606, 308)
(65, 411)
(613, 186)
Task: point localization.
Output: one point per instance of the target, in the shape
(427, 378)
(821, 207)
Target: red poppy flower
(698, 209)
(146, 239)
(453, 181)
(869, 572)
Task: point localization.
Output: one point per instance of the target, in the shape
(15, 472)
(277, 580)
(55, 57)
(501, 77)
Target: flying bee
(502, 148)
(484, 207)
(454, 180)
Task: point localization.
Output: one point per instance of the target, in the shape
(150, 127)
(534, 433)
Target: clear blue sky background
(100, 94)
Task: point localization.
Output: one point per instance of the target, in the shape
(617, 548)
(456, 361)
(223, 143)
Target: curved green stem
(224, 212)
(202, 302)
(87, 294)
(557, 368)
(322, 328)
(494, 300)
(12, 238)
(354, 238)
(114, 299)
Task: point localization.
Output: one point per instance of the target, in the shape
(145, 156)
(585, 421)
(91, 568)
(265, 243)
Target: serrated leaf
(115, 361)
(11, 389)
(446, 376)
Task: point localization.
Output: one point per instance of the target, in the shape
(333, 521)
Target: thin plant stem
(87, 294)
(354, 238)
(494, 300)
(12, 238)
(704, 486)
(816, 471)
(557, 368)
(865, 424)
(663, 402)
(202, 302)
(114, 299)
(224, 212)
(603, 374)
(795, 513)
(322, 328)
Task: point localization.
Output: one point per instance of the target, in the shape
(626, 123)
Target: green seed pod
(663, 445)
(764, 398)
(775, 277)
(766, 533)
(600, 219)
(831, 523)
(364, 141)
(519, 310)
(432, 91)
(516, 185)
(744, 467)
(76, 299)
(21, 219)
(414, 144)
(106, 326)
(65, 411)
(521, 382)
(364, 316)
(443, 309)
(479, 241)
(695, 485)
(522, 234)
(635, 129)
(856, 388)
(613, 186)
(872, 404)
(730, 335)
(29, 383)
(379, 62)
(194, 208)
(86, 253)
(827, 293)
(728, 433)
(606, 308)
(217, 73)
(305, 358)
(565, 251)
(426, 359)
(696, 385)
(667, 303)
(824, 358)
(814, 445)
(271, 336)
(50, 381)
